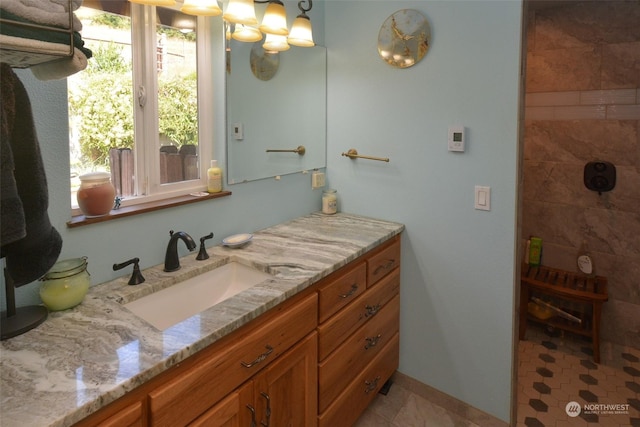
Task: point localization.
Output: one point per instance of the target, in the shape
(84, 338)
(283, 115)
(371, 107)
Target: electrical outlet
(317, 180)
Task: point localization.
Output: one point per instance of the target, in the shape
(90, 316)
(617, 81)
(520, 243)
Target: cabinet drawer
(346, 409)
(380, 264)
(335, 330)
(131, 416)
(337, 370)
(341, 291)
(183, 398)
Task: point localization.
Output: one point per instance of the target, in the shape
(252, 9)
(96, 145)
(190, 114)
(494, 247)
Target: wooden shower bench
(575, 293)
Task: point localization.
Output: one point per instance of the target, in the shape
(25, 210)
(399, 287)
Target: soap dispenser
(214, 178)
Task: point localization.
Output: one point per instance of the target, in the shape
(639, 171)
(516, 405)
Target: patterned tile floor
(559, 384)
(554, 370)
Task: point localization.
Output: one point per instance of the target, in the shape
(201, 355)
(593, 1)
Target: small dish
(237, 240)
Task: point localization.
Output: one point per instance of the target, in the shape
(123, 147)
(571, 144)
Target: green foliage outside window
(101, 105)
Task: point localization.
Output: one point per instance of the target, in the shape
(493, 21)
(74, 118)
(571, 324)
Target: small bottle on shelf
(214, 178)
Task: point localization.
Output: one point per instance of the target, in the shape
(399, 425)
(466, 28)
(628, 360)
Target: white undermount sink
(176, 303)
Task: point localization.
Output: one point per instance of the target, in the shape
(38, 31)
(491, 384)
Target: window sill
(80, 220)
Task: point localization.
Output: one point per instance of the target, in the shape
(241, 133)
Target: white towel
(46, 12)
(17, 52)
(61, 69)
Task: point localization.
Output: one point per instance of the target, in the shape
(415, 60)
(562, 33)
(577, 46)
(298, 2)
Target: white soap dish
(237, 240)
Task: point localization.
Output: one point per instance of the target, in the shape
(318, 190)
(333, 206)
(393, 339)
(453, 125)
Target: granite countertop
(81, 359)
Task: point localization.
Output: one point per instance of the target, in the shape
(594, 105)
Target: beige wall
(583, 104)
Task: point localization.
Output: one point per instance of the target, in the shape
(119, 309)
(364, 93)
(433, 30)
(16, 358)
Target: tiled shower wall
(583, 104)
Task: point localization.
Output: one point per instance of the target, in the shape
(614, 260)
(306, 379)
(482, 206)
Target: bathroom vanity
(310, 346)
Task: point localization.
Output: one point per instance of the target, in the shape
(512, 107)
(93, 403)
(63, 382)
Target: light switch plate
(482, 198)
(238, 131)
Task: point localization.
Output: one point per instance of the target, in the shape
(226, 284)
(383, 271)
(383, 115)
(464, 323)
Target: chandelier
(240, 15)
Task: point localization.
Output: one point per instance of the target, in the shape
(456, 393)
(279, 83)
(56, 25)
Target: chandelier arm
(302, 8)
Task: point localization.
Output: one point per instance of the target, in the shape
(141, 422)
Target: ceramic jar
(65, 284)
(96, 194)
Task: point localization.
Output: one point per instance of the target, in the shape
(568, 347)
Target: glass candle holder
(96, 194)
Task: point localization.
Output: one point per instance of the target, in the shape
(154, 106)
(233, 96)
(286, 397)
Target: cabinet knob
(353, 290)
(372, 341)
(371, 310)
(371, 385)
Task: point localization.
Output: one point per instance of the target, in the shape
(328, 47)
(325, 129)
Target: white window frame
(146, 122)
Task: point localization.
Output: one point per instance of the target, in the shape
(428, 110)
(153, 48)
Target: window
(136, 111)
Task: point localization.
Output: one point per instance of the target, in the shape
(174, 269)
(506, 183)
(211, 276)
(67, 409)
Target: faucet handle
(202, 255)
(136, 276)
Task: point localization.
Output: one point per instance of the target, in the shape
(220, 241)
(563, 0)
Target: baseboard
(447, 402)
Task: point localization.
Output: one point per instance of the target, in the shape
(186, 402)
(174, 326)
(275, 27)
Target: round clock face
(264, 64)
(404, 38)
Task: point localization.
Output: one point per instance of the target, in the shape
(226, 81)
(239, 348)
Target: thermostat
(456, 138)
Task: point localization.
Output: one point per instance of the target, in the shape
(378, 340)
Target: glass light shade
(274, 43)
(301, 34)
(155, 2)
(184, 23)
(241, 12)
(275, 19)
(245, 33)
(201, 7)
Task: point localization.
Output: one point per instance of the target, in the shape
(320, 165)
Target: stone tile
(613, 96)
(538, 405)
(388, 406)
(588, 396)
(370, 419)
(420, 412)
(563, 69)
(588, 379)
(546, 358)
(544, 372)
(590, 418)
(633, 386)
(588, 364)
(631, 371)
(586, 23)
(532, 422)
(542, 388)
(621, 65)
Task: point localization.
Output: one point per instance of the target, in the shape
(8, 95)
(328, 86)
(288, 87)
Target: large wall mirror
(275, 103)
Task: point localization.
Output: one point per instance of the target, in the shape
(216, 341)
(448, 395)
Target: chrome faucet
(171, 260)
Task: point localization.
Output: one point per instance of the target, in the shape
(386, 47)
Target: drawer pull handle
(253, 415)
(353, 290)
(372, 310)
(268, 410)
(371, 385)
(386, 266)
(258, 359)
(372, 341)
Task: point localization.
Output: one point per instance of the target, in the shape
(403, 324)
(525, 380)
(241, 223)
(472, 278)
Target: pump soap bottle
(214, 178)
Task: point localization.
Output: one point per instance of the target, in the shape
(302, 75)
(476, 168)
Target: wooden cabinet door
(232, 411)
(286, 392)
